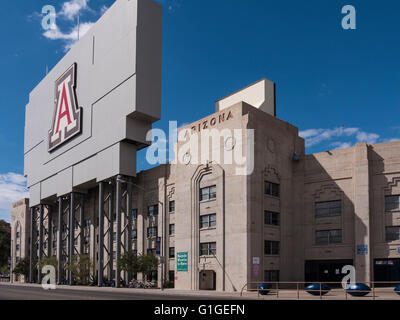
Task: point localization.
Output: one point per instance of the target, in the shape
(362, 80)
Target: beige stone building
(294, 217)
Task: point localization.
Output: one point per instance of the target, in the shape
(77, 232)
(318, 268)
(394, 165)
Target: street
(13, 292)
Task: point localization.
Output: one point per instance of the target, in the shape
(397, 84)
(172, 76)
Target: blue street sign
(362, 249)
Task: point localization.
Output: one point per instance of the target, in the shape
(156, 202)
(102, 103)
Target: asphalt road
(37, 293)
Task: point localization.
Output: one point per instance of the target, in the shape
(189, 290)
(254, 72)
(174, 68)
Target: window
(208, 249)
(55, 229)
(87, 224)
(153, 276)
(172, 253)
(272, 247)
(172, 206)
(171, 276)
(134, 214)
(328, 208)
(208, 221)
(171, 229)
(134, 253)
(64, 228)
(114, 236)
(152, 211)
(76, 241)
(152, 232)
(152, 251)
(327, 237)
(271, 275)
(272, 189)
(392, 203)
(392, 234)
(54, 243)
(271, 218)
(134, 234)
(76, 225)
(87, 241)
(17, 247)
(208, 193)
(17, 235)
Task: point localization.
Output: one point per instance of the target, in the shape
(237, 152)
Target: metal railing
(297, 289)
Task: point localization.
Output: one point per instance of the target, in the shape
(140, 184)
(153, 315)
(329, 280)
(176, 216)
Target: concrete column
(31, 246)
(362, 262)
(118, 232)
(128, 245)
(59, 241)
(81, 222)
(71, 234)
(40, 243)
(49, 230)
(111, 233)
(100, 265)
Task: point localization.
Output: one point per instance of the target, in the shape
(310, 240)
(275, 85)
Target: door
(207, 280)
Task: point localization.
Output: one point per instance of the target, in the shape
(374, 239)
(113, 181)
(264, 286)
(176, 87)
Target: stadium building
(280, 215)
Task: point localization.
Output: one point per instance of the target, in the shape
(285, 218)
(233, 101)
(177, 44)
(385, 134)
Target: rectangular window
(272, 189)
(327, 237)
(208, 249)
(171, 276)
(55, 229)
(152, 211)
(172, 253)
(134, 234)
(54, 243)
(271, 275)
(272, 247)
(208, 221)
(328, 208)
(134, 214)
(172, 206)
(271, 218)
(88, 223)
(151, 251)
(208, 193)
(17, 235)
(152, 232)
(17, 247)
(392, 203)
(171, 229)
(392, 234)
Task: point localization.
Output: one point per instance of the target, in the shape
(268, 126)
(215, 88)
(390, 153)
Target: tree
(5, 242)
(80, 267)
(130, 263)
(148, 264)
(4, 270)
(22, 268)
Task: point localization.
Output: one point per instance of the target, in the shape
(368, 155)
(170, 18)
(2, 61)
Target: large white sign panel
(87, 118)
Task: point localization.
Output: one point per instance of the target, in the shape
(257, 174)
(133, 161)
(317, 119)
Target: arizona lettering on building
(67, 115)
(207, 124)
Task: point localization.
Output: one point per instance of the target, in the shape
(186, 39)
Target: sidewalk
(166, 292)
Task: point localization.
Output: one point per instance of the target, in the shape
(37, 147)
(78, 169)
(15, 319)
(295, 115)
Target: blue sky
(338, 86)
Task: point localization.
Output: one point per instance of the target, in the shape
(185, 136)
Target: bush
(22, 268)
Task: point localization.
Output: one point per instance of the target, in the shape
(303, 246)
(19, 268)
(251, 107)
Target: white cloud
(12, 189)
(71, 9)
(314, 137)
(341, 145)
(71, 37)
